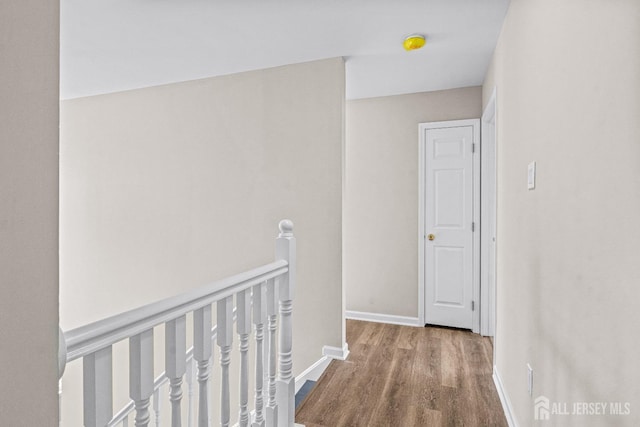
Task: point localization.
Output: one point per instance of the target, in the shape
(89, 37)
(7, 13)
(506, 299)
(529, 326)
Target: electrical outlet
(530, 379)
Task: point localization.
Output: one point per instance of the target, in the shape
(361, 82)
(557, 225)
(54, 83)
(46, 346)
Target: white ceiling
(115, 45)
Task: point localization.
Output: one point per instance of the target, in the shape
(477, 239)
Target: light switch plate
(531, 176)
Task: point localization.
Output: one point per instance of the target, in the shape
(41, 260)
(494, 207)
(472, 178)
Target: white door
(448, 223)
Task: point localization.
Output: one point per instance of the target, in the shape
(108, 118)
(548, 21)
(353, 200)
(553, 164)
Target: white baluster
(141, 375)
(202, 354)
(286, 249)
(176, 364)
(244, 329)
(191, 375)
(125, 421)
(213, 346)
(259, 317)
(97, 385)
(157, 405)
(272, 311)
(225, 338)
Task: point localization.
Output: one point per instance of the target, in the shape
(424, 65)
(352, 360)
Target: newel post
(285, 387)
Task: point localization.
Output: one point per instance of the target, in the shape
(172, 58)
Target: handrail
(89, 338)
(263, 298)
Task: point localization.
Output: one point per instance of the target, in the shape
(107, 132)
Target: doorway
(449, 219)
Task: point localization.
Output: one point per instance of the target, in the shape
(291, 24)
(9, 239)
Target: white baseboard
(313, 372)
(383, 318)
(504, 398)
(336, 352)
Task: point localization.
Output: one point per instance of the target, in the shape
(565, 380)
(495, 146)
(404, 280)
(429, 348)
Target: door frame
(489, 213)
(422, 127)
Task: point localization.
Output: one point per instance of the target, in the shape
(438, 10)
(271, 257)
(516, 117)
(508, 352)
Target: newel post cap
(286, 228)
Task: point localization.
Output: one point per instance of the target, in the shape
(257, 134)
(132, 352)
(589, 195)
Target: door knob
(431, 237)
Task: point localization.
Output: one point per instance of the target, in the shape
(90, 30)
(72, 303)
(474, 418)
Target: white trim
(504, 399)
(475, 123)
(336, 352)
(421, 226)
(477, 220)
(489, 112)
(489, 188)
(384, 318)
(313, 372)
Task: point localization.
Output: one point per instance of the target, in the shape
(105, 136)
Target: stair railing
(261, 294)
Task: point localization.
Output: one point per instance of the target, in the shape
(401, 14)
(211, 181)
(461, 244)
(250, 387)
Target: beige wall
(167, 188)
(568, 83)
(29, 213)
(381, 201)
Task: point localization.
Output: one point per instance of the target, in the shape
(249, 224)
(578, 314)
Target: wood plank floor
(402, 376)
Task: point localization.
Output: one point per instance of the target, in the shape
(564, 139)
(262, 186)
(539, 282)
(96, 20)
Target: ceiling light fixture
(414, 41)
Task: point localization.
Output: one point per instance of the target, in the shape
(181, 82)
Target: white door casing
(449, 267)
(488, 230)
